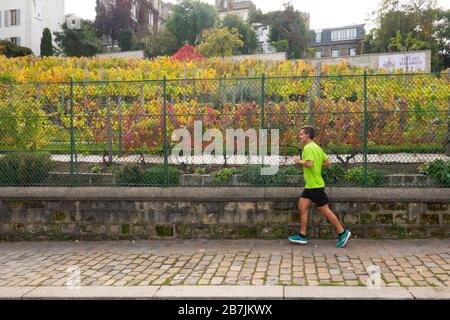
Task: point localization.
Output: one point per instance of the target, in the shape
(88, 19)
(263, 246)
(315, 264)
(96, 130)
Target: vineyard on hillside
(118, 106)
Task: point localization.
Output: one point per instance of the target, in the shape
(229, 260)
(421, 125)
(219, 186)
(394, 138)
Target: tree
(161, 43)
(371, 42)
(416, 25)
(410, 43)
(110, 20)
(125, 39)
(79, 42)
(189, 19)
(256, 16)
(441, 33)
(245, 31)
(219, 42)
(288, 31)
(46, 43)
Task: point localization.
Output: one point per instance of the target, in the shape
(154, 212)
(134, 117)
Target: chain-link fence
(379, 130)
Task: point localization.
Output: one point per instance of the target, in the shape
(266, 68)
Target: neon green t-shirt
(313, 175)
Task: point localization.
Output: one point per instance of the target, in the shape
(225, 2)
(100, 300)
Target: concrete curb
(347, 293)
(211, 194)
(220, 292)
(223, 293)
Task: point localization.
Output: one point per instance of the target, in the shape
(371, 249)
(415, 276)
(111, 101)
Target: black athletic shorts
(318, 196)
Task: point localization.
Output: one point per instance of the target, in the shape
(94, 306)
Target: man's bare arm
(307, 163)
(326, 163)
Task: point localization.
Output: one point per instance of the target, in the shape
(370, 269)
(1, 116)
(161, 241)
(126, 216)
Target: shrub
(155, 176)
(96, 168)
(439, 170)
(224, 175)
(130, 175)
(333, 173)
(10, 50)
(9, 171)
(200, 170)
(374, 177)
(25, 168)
(290, 171)
(252, 174)
(125, 39)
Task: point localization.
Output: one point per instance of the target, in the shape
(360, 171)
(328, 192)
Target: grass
(85, 149)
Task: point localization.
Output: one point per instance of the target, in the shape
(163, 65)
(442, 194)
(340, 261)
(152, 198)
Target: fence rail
(377, 129)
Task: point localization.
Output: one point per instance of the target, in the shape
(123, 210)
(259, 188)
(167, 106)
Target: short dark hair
(309, 131)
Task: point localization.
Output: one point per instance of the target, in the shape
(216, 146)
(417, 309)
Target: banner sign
(408, 61)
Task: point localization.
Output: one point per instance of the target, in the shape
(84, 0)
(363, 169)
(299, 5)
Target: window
(150, 20)
(335, 53)
(15, 40)
(318, 54)
(352, 52)
(345, 34)
(12, 18)
(319, 37)
(133, 11)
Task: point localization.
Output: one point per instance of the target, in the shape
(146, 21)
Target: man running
(313, 158)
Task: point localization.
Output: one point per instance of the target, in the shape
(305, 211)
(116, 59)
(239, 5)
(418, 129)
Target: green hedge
(333, 174)
(130, 175)
(375, 178)
(252, 174)
(439, 170)
(25, 168)
(155, 176)
(10, 50)
(133, 175)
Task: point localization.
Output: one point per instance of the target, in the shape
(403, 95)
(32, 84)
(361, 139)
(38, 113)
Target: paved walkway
(403, 263)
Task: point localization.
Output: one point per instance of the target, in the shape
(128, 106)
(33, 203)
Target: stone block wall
(215, 213)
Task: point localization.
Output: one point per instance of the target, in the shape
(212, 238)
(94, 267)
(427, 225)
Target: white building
(164, 9)
(23, 21)
(262, 32)
(241, 8)
(160, 11)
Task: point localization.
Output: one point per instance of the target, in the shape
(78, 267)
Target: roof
(341, 28)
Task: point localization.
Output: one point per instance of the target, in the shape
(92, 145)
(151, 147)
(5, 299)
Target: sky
(323, 13)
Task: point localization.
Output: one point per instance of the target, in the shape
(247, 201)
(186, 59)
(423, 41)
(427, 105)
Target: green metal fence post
(72, 136)
(263, 79)
(166, 160)
(365, 131)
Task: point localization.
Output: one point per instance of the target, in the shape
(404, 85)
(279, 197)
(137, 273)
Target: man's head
(307, 133)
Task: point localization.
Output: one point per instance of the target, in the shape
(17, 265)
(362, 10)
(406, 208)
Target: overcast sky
(324, 13)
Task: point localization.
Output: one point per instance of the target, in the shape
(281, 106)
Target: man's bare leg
(326, 211)
(303, 206)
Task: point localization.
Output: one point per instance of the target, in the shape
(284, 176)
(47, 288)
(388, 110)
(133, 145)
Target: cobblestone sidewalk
(421, 263)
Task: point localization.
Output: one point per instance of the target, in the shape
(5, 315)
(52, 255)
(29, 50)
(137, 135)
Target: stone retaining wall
(245, 212)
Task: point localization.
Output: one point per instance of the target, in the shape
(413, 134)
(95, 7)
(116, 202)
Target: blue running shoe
(298, 239)
(343, 238)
